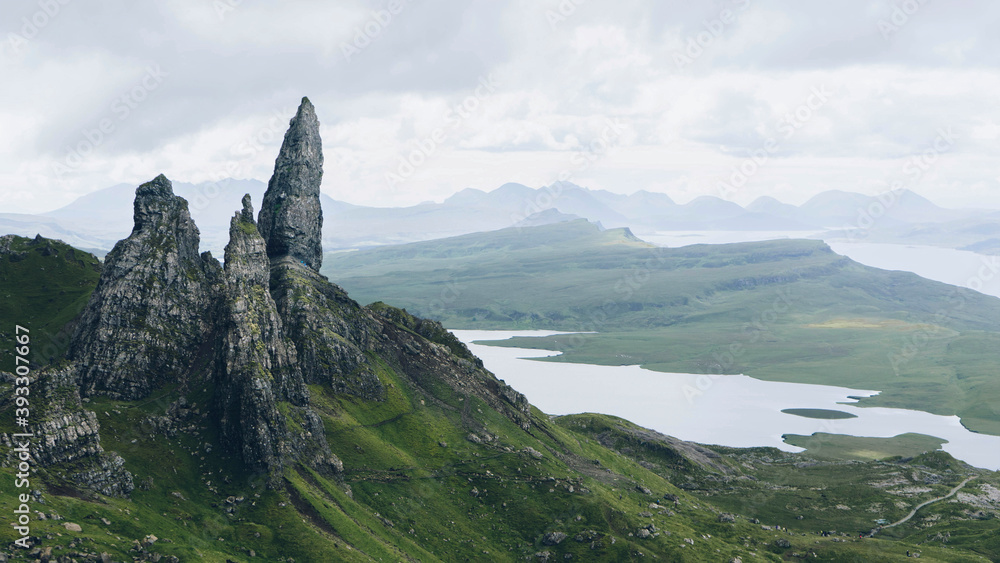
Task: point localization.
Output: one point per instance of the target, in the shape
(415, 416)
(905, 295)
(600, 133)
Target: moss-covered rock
(152, 311)
(256, 368)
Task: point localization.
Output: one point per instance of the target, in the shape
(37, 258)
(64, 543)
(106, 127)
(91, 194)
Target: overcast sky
(420, 99)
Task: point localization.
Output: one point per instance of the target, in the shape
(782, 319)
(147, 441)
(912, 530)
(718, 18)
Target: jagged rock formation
(261, 395)
(146, 323)
(251, 329)
(260, 329)
(291, 219)
(69, 436)
(330, 330)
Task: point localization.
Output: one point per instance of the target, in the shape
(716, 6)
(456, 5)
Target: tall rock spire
(291, 220)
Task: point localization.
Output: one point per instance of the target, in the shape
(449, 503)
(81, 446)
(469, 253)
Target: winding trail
(921, 505)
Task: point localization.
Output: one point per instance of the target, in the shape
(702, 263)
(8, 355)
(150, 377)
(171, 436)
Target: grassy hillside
(776, 310)
(44, 284)
(417, 487)
(811, 491)
(432, 473)
(575, 276)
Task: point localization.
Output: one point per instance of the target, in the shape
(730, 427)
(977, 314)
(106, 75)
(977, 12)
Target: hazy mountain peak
(547, 217)
(646, 195)
(768, 204)
(468, 195)
(713, 204)
(834, 197)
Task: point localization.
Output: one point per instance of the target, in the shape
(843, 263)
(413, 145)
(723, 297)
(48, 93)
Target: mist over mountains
(99, 219)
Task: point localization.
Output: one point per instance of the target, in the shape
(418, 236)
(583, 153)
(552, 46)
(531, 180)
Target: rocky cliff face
(291, 219)
(148, 320)
(425, 353)
(251, 331)
(68, 435)
(260, 330)
(261, 395)
(330, 330)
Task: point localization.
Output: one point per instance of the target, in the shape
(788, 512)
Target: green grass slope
(777, 310)
(44, 284)
(435, 474)
(419, 485)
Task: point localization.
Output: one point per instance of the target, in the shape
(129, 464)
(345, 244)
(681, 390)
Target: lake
(731, 410)
(737, 410)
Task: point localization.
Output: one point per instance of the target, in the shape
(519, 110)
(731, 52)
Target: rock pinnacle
(153, 283)
(291, 220)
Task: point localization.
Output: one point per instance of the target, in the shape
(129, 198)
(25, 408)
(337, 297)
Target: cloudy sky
(419, 99)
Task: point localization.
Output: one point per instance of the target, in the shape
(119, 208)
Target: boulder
(553, 538)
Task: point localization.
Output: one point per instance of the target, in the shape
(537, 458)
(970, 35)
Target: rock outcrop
(255, 332)
(69, 436)
(261, 395)
(291, 220)
(427, 363)
(330, 330)
(148, 320)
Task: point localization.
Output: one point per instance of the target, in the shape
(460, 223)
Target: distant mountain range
(97, 220)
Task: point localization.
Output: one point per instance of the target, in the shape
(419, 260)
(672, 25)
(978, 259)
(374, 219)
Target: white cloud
(233, 82)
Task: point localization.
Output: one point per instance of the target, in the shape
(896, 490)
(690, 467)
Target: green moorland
(417, 488)
(789, 310)
(434, 474)
(837, 446)
(815, 491)
(44, 284)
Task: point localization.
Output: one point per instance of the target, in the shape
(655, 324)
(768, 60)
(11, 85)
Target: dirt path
(921, 505)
